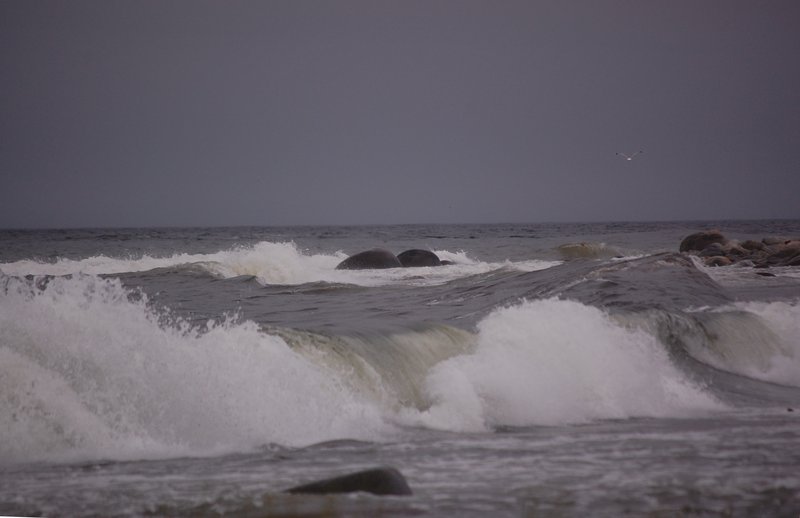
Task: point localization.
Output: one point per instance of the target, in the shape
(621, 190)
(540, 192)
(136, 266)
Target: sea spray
(549, 362)
(87, 372)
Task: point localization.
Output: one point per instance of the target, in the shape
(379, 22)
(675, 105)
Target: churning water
(549, 370)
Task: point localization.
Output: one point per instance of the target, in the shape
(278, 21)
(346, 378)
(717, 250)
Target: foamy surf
(328, 377)
(275, 264)
(88, 373)
(550, 362)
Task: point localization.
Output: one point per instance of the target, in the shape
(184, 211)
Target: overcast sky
(162, 113)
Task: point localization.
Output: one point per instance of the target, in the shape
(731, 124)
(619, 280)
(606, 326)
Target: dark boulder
(378, 481)
(712, 250)
(699, 241)
(376, 258)
(415, 257)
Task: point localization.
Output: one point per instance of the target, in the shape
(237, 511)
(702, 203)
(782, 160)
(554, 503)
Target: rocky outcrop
(379, 258)
(717, 250)
(701, 240)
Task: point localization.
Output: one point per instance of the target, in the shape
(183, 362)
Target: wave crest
(87, 372)
(549, 362)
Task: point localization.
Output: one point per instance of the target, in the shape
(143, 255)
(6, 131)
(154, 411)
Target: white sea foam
(275, 263)
(553, 362)
(85, 372)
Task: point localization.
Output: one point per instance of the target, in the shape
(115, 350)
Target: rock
(775, 240)
(712, 250)
(700, 240)
(753, 245)
(716, 250)
(717, 260)
(415, 257)
(587, 251)
(787, 254)
(378, 481)
(733, 248)
(377, 258)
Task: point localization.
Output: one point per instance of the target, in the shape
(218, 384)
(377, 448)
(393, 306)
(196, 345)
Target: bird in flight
(631, 156)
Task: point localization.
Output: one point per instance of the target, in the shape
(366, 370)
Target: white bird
(631, 156)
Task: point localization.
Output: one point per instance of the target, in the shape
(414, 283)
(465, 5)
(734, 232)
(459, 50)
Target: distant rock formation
(717, 250)
(378, 481)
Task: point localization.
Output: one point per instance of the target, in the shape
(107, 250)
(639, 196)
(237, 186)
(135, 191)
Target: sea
(575, 369)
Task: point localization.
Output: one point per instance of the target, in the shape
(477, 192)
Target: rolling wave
(90, 371)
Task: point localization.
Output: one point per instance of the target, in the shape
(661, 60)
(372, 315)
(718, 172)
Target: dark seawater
(201, 371)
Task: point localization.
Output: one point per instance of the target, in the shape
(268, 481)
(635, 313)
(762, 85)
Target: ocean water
(551, 370)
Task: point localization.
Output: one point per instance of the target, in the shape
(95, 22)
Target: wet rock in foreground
(378, 481)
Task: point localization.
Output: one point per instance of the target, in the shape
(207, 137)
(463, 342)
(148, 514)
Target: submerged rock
(587, 251)
(378, 481)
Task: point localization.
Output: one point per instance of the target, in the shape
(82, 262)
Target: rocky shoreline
(717, 250)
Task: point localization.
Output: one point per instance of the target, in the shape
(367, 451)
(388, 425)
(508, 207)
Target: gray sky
(158, 113)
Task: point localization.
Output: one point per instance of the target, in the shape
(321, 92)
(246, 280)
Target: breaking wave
(86, 372)
(549, 362)
(89, 370)
(273, 263)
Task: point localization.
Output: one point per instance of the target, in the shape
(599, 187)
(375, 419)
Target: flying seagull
(631, 156)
